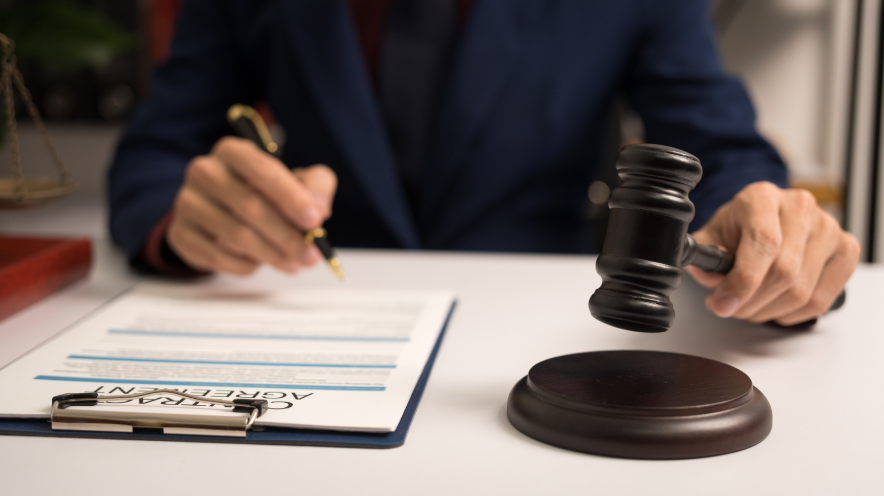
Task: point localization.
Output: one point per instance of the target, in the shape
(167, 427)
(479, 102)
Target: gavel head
(648, 222)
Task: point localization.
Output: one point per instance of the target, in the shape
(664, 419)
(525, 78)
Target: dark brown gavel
(647, 241)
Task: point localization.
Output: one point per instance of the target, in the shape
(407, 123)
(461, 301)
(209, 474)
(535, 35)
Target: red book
(33, 268)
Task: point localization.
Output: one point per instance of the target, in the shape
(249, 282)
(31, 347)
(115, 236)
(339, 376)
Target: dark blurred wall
(104, 92)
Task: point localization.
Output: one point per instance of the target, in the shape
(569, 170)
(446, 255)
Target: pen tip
(335, 265)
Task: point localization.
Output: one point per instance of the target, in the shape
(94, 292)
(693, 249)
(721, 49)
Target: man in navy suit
(453, 125)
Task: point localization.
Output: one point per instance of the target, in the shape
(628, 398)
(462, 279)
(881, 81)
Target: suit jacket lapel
(324, 39)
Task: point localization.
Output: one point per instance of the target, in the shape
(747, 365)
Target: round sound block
(640, 404)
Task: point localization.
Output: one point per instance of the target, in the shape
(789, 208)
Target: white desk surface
(825, 387)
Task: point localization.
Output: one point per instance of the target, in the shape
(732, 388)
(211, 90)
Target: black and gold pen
(247, 123)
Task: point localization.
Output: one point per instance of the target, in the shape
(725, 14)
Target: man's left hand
(792, 259)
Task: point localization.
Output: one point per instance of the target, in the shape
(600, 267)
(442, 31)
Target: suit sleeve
(183, 118)
(686, 100)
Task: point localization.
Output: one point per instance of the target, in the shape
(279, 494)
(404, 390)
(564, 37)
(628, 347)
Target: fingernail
(310, 217)
(320, 198)
(726, 306)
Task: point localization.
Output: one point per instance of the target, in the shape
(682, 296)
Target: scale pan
(37, 191)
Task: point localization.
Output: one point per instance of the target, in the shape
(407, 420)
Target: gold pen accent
(334, 263)
(318, 237)
(312, 235)
(239, 110)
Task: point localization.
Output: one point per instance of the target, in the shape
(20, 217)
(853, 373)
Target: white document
(325, 359)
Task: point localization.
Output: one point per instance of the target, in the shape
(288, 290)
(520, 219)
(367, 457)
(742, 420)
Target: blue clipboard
(269, 435)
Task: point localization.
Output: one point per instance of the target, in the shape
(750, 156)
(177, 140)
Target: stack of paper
(324, 359)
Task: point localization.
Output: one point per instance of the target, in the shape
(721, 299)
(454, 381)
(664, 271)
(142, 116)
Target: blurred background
(812, 68)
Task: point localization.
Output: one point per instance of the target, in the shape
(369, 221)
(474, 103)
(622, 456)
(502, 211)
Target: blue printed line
(209, 384)
(250, 336)
(214, 362)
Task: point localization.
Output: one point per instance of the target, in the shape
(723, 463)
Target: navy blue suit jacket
(515, 143)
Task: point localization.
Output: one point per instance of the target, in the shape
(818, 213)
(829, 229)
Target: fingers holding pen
(199, 250)
(216, 181)
(321, 182)
(275, 182)
(240, 204)
(230, 233)
(215, 206)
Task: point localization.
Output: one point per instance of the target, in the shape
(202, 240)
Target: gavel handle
(713, 259)
(707, 258)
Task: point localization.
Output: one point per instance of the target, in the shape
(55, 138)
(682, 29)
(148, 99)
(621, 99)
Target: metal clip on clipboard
(154, 423)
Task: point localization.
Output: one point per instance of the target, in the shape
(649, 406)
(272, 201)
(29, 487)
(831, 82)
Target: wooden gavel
(647, 240)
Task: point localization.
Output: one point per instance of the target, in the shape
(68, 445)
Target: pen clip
(237, 112)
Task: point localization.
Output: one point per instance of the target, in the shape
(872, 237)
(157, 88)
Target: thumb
(704, 237)
(322, 183)
(706, 279)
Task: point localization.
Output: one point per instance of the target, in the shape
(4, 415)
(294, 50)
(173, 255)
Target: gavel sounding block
(640, 404)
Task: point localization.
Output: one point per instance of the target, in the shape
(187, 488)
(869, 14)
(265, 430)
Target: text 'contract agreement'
(325, 359)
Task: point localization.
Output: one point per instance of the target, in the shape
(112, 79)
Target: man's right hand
(240, 207)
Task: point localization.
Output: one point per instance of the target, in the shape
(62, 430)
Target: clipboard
(260, 435)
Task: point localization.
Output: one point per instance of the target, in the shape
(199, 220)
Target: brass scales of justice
(18, 191)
